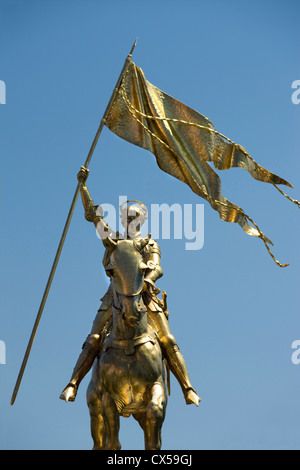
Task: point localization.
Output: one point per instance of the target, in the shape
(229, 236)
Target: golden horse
(129, 376)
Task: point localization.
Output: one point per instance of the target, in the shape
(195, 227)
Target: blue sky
(234, 313)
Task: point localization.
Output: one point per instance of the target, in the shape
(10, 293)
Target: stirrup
(71, 384)
(186, 390)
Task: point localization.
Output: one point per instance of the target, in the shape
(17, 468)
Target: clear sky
(234, 313)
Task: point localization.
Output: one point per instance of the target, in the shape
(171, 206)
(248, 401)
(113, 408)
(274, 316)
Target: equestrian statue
(130, 347)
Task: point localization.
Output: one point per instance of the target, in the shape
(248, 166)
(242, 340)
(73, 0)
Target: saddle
(129, 345)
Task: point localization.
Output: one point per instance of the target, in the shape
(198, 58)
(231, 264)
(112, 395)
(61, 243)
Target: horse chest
(141, 365)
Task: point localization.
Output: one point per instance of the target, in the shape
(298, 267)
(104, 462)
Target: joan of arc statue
(132, 218)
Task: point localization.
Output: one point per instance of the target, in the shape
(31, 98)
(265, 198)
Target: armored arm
(155, 270)
(92, 213)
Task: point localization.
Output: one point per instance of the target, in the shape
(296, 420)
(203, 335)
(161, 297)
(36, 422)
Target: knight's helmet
(133, 215)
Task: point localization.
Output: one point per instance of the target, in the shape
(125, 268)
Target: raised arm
(92, 213)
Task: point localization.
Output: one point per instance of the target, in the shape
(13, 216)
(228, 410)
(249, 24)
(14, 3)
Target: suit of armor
(157, 318)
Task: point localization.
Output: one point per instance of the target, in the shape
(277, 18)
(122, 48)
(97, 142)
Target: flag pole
(66, 227)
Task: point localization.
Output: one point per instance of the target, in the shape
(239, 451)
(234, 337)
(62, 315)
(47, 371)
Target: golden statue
(130, 343)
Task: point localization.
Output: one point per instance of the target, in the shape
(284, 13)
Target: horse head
(126, 270)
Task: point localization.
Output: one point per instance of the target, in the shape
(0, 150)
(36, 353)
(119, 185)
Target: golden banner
(183, 142)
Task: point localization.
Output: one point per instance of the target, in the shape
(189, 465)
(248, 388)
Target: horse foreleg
(154, 418)
(112, 422)
(98, 431)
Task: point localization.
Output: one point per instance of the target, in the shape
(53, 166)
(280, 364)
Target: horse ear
(109, 243)
(140, 245)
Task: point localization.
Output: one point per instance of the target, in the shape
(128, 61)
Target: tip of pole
(133, 47)
(13, 397)
(15, 393)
